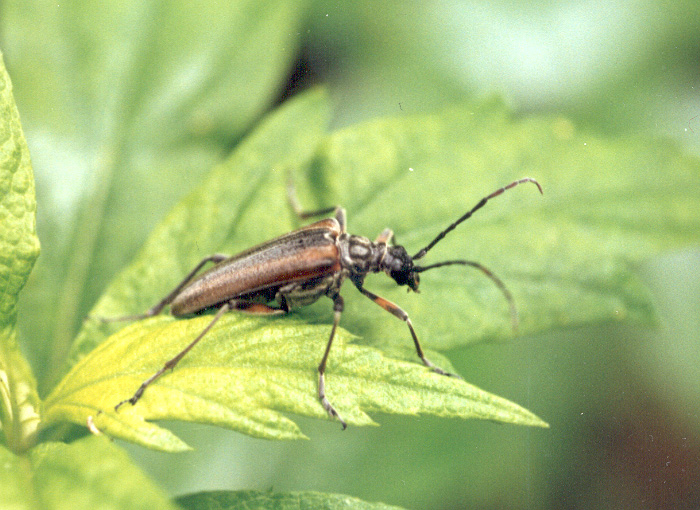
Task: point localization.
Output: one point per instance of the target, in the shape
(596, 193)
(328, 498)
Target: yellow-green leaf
(245, 374)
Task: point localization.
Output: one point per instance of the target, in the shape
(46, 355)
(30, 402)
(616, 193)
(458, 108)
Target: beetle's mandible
(298, 268)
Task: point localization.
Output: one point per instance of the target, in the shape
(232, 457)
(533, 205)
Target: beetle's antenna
(497, 281)
(468, 215)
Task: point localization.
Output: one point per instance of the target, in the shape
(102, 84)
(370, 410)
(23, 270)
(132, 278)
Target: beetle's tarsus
(332, 412)
(116, 408)
(437, 369)
(326, 403)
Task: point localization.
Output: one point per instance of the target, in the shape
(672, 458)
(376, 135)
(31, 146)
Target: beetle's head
(399, 265)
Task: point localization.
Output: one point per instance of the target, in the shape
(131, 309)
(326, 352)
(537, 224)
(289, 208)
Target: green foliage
(19, 248)
(89, 473)
(586, 251)
(269, 367)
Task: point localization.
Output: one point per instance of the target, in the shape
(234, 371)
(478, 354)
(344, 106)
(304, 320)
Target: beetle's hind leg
(234, 304)
(170, 364)
(158, 307)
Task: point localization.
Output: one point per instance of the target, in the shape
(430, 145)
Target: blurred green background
(92, 80)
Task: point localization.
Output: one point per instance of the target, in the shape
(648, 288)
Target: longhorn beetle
(298, 268)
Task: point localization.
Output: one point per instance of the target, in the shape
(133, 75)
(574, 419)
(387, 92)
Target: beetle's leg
(337, 311)
(170, 364)
(155, 310)
(385, 237)
(296, 207)
(398, 312)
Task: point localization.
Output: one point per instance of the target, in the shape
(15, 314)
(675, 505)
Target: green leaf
(19, 248)
(568, 257)
(135, 101)
(259, 500)
(87, 474)
(245, 372)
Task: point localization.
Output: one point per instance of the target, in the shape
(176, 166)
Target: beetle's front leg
(398, 312)
(337, 311)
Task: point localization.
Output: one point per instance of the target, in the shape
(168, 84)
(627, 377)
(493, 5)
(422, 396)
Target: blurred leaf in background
(78, 475)
(126, 105)
(624, 67)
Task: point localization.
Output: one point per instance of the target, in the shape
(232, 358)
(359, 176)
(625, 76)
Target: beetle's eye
(400, 277)
(395, 265)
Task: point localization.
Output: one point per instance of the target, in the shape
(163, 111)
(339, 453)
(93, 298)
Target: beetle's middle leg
(398, 312)
(338, 306)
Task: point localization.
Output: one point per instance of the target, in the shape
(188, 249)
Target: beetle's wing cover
(303, 254)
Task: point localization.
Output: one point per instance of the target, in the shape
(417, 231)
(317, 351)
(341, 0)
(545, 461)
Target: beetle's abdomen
(257, 273)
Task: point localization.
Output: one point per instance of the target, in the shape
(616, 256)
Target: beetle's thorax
(360, 256)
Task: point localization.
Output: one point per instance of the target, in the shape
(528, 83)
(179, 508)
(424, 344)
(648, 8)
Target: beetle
(298, 268)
